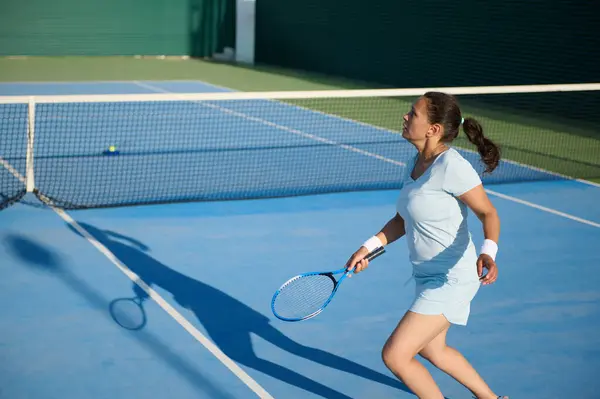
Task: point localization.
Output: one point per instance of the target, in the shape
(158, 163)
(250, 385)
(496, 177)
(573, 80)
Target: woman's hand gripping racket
(306, 295)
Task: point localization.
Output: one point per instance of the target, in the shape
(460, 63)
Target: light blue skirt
(450, 294)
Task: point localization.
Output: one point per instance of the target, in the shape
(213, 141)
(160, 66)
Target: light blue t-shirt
(437, 233)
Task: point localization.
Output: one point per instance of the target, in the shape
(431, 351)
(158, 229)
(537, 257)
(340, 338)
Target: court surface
(212, 268)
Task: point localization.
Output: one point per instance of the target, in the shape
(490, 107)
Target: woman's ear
(434, 130)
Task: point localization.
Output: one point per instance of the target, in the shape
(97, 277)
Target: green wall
(116, 27)
(434, 42)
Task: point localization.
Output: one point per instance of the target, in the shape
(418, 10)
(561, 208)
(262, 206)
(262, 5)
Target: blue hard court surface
(533, 334)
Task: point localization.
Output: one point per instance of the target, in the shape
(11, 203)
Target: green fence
(434, 42)
(114, 27)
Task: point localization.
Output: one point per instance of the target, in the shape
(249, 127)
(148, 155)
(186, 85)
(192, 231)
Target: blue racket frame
(336, 283)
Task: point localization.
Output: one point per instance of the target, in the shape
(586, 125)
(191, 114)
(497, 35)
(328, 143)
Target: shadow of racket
(129, 313)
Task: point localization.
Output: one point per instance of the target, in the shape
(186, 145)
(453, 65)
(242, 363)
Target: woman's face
(416, 127)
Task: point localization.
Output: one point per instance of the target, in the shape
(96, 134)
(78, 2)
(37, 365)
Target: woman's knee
(395, 358)
(413, 332)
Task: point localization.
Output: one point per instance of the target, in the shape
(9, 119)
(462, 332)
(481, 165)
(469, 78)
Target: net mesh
(13, 151)
(225, 146)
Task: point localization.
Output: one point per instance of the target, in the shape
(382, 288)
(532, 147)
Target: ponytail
(443, 108)
(490, 153)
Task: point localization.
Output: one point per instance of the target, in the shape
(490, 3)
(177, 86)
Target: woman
(437, 189)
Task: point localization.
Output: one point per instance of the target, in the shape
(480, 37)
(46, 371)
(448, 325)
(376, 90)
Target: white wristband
(490, 248)
(372, 244)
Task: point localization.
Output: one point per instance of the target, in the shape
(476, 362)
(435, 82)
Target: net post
(30, 140)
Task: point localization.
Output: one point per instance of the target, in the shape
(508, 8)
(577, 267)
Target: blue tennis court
(213, 266)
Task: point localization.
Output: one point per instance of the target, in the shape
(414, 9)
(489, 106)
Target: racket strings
(304, 296)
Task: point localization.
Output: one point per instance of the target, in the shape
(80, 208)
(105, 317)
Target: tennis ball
(112, 148)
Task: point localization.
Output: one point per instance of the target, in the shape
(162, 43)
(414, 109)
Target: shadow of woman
(228, 321)
(24, 250)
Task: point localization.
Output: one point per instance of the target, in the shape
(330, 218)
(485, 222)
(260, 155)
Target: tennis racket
(306, 295)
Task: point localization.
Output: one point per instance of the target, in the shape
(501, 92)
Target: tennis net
(243, 145)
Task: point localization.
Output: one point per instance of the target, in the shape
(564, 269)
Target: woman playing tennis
(437, 189)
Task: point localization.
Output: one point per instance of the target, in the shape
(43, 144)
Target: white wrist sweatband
(490, 248)
(372, 244)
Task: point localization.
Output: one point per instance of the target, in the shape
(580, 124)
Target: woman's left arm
(477, 200)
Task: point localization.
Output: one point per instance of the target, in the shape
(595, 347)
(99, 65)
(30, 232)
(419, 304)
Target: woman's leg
(450, 361)
(411, 335)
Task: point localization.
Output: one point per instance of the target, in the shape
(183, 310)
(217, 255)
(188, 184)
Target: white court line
(510, 161)
(13, 171)
(543, 208)
(193, 331)
(497, 194)
(280, 127)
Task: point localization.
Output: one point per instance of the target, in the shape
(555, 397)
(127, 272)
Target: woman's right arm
(392, 231)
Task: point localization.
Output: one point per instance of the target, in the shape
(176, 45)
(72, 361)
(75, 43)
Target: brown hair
(443, 108)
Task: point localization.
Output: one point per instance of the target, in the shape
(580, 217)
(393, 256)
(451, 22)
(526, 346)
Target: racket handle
(376, 252)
